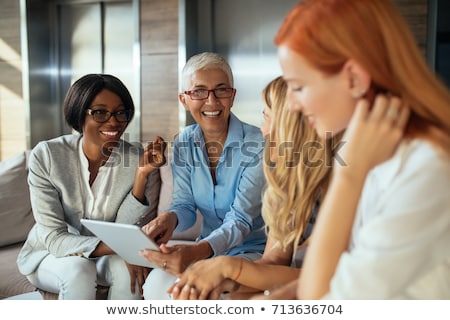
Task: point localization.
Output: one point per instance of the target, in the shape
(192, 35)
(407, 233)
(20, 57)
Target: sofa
(17, 219)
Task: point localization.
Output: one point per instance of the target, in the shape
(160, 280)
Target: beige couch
(16, 219)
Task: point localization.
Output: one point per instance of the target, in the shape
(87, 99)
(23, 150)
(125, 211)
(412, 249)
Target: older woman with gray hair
(217, 167)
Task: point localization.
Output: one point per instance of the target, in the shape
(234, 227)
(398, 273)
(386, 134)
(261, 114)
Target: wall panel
(12, 109)
(159, 69)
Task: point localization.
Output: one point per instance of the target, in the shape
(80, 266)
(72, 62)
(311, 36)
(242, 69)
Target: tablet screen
(125, 239)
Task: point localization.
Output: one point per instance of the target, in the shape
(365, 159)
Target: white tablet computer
(125, 239)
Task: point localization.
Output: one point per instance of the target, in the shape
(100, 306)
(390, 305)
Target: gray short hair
(205, 61)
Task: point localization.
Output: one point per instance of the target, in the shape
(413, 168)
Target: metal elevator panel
(78, 44)
(243, 32)
(76, 37)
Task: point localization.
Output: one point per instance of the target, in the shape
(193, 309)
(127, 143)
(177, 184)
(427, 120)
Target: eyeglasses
(103, 115)
(200, 94)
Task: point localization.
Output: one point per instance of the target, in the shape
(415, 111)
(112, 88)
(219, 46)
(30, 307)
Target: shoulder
(244, 131)
(415, 156)
(420, 153)
(252, 133)
(62, 146)
(56, 156)
(415, 163)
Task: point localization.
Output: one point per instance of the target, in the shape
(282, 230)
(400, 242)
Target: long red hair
(329, 32)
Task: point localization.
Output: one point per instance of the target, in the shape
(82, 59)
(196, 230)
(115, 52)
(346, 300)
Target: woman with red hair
(383, 230)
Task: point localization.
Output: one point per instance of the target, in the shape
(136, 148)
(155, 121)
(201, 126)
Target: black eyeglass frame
(229, 92)
(101, 112)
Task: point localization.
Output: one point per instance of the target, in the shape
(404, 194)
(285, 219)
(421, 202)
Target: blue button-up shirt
(231, 209)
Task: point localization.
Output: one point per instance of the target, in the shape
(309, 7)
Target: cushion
(12, 282)
(15, 207)
(165, 200)
(152, 197)
(165, 194)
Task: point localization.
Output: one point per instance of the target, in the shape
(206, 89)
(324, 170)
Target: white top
(400, 245)
(96, 196)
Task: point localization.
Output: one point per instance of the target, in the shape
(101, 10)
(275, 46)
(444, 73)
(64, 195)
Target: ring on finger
(392, 113)
(164, 265)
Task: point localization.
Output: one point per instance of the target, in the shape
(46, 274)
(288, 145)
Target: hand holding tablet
(125, 239)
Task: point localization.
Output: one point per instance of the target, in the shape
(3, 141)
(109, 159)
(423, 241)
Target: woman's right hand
(372, 135)
(161, 228)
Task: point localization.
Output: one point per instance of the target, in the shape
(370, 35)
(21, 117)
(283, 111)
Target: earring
(358, 93)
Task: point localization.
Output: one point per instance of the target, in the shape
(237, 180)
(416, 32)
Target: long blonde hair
(300, 174)
(329, 32)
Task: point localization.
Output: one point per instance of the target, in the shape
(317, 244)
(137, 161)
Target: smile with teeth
(211, 113)
(110, 133)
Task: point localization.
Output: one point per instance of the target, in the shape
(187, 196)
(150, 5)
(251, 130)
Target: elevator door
(95, 38)
(84, 37)
(243, 32)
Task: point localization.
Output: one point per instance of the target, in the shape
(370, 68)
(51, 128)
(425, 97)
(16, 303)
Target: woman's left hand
(173, 260)
(138, 274)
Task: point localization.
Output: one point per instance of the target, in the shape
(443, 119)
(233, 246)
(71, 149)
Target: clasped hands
(205, 279)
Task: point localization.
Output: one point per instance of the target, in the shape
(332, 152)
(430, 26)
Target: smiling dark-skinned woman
(92, 175)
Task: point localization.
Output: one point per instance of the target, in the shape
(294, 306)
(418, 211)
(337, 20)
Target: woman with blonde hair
(384, 226)
(297, 171)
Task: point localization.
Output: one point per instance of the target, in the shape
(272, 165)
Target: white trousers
(76, 278)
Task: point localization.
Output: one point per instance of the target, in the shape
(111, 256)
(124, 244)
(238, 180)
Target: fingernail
(186, 288)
